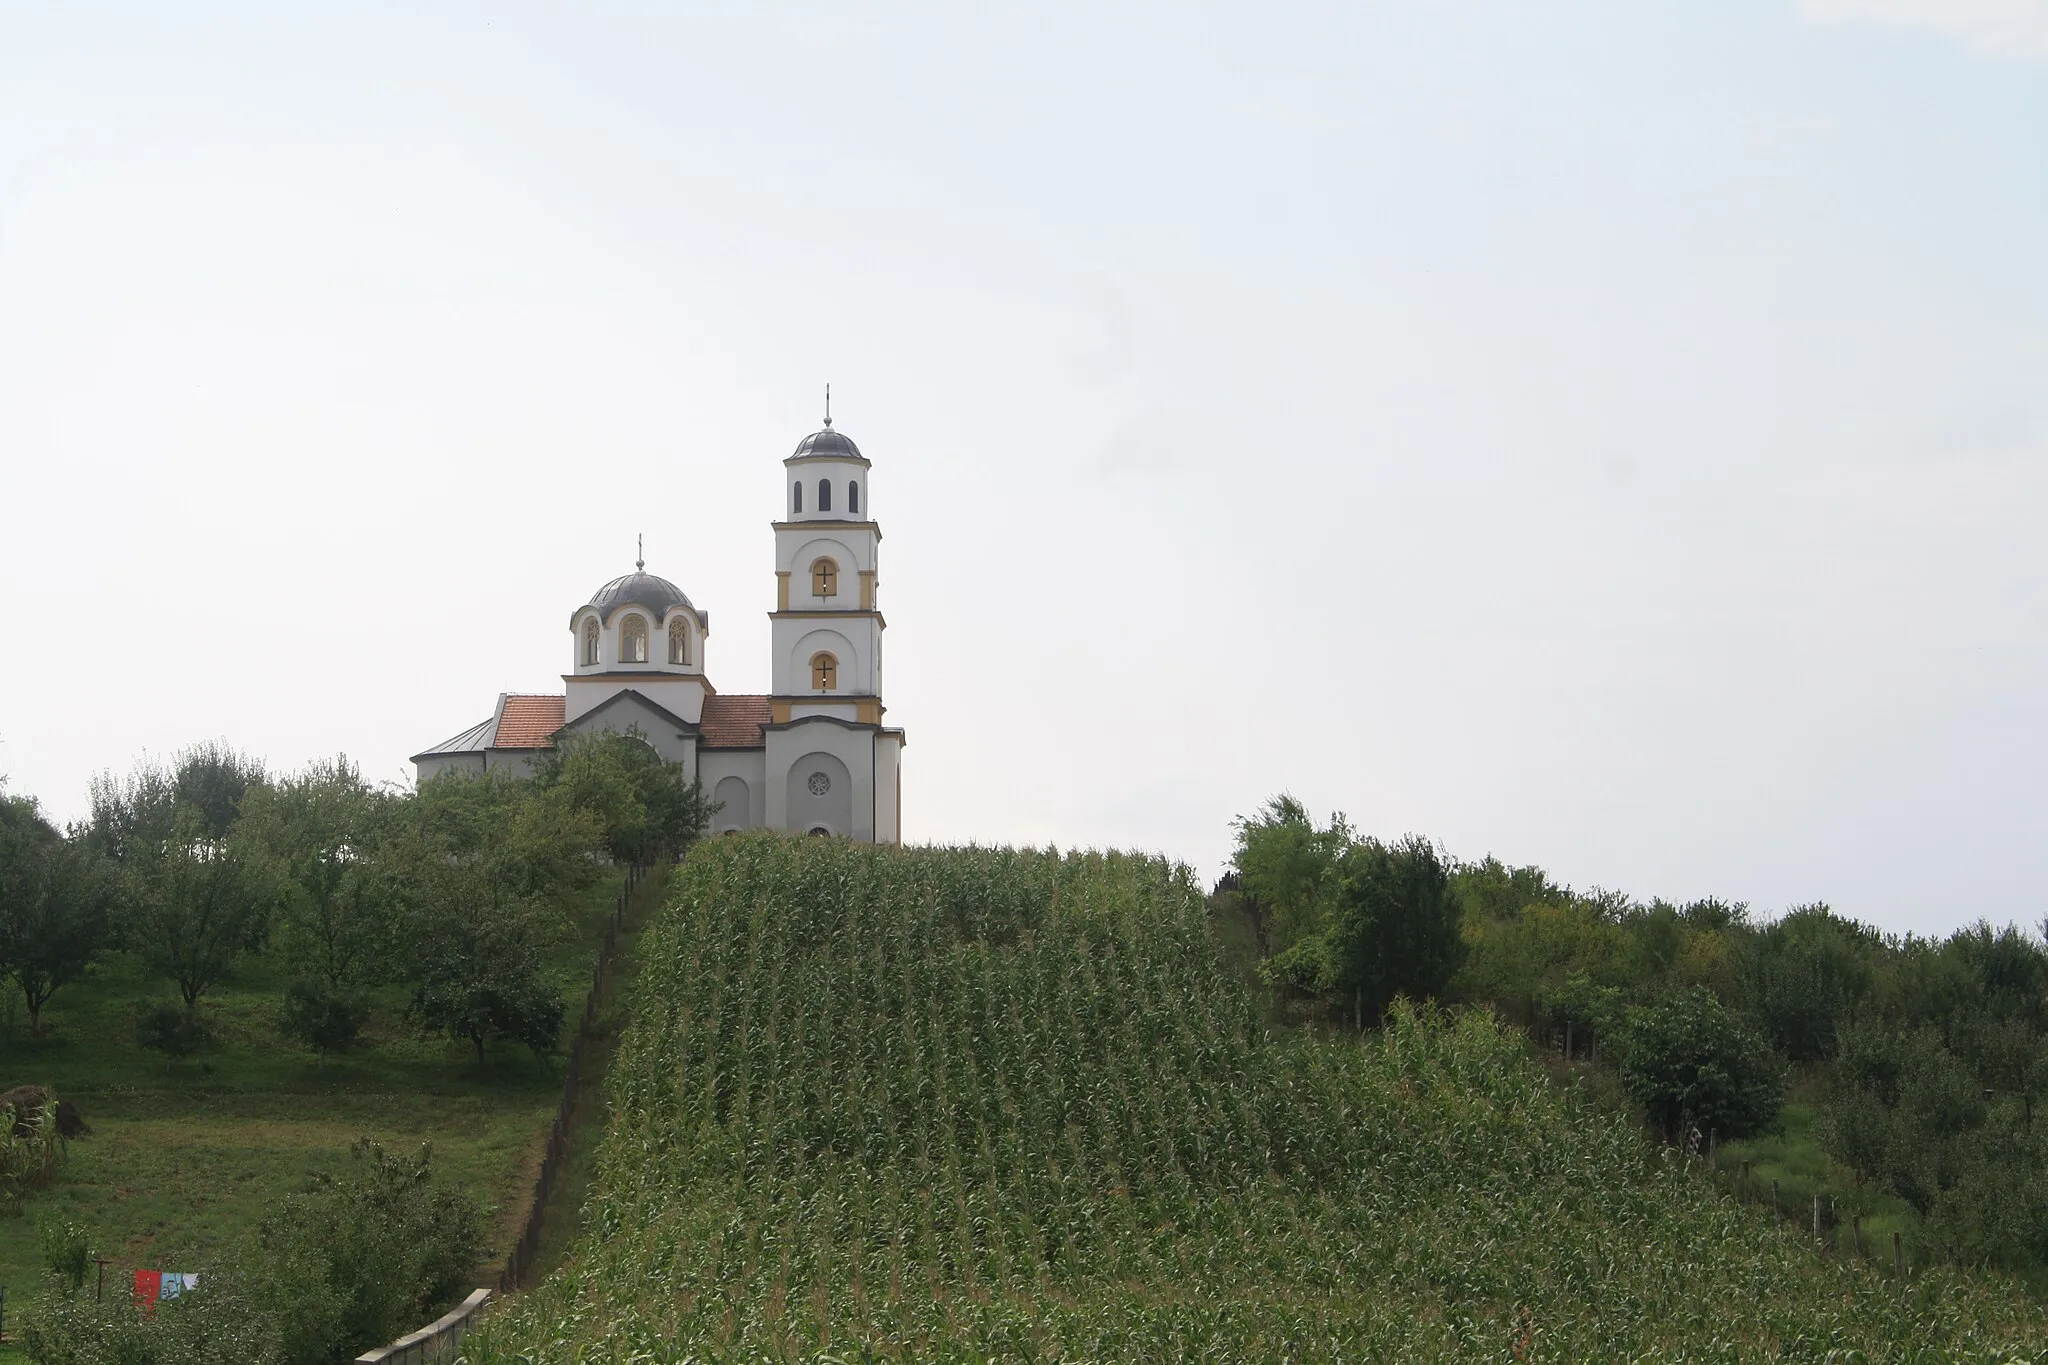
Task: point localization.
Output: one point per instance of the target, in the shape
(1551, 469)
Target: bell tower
(827, 623)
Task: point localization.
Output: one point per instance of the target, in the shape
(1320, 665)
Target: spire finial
(640, 553)
(828, 405)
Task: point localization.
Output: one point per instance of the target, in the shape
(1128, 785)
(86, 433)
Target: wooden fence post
(1898, 1255)
(1776, 1211)
(1816, 1215)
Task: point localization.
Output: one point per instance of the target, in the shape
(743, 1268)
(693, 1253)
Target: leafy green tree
(1690, 1061)
(202, 791)
(1286, 869)
(645, 803)
(363, 1257)
(325, 1018)
(508, 831)
(1390, 928)
(323, 830)
(177, 1033)
(477, 963)
(1802, 977)
(195, 907)
(54, 899)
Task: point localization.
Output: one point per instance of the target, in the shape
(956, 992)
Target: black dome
(827, 442)
(638, 589)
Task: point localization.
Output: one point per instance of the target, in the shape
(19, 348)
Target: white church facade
(813, 755)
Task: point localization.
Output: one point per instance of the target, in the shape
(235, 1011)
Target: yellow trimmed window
(824, 672)
(824, 578)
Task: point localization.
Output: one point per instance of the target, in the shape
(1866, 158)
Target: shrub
(171, 1029)
(1688, 1061)
(325, 1019)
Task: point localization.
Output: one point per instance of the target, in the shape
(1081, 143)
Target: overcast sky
(1613, 436)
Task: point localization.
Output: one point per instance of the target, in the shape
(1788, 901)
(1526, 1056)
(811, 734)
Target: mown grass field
(971, 1105)
(185, 1160)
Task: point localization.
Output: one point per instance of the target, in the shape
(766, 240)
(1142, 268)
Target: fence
(520, 1259)
(436, 1341)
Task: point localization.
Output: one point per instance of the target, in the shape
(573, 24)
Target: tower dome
(639, 589)
(828, 444)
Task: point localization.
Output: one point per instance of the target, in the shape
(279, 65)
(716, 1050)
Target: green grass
(978, 1104)
(183, 1161)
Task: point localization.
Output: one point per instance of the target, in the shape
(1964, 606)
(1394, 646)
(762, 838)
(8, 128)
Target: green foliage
(1802, 977)
(196, 905)
(175, 1031)
(1388, 927)
(323, 830)
(1691, 1063)
(644, 803)
(215, 1323)
(959, 1105)
(478, 972)
(1285, 868)
(67, 1254)
(54, 899)
(321, 1017)
(507, 831)
(361, 1259)
(29, 1148)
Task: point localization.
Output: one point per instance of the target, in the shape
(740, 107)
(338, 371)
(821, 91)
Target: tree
(509, 831)
(54, 898)
(1285, 869)
(361, 1257)
(323, 1017)
(196, 905)
(1390, 928)
(645, 803)
(203, 788)
(477, 957)
(1689, 1061)
(322, 830)
(1802, 976)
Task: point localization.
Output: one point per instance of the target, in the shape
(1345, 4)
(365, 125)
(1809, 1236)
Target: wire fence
(556, 1157)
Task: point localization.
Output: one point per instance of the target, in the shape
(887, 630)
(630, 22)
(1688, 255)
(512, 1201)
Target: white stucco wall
(715, 765)
(853, 746)
(609, 636)
(808, 471)
(631, 713)
(682, 695)
(888, 789)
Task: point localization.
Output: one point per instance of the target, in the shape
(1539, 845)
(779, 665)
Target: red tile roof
(527, 723)
(733, 722)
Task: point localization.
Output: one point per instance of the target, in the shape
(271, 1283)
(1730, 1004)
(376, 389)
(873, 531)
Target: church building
(813, 755)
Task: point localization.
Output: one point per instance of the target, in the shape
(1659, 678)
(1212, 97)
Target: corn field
(974, 1104)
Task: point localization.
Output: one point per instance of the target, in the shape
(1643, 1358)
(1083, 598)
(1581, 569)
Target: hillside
(963, 1104)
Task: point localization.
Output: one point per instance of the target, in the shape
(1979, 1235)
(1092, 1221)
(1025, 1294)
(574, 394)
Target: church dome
(639, 589)
(827, 443)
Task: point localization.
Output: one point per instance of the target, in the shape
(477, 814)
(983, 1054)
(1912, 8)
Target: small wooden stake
(1856, 1226)
(1898, 1255)
(1776, 1210)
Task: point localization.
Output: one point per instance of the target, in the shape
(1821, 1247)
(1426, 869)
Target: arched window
(824, 672)
(824, 578)
(678, 642)
(590, 641)
(633, 640)
(824, 495)
(852, 498)
(796, 499)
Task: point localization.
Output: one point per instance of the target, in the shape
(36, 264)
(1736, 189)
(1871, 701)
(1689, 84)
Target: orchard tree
(477, 955)
(1286, 869)
(54, 898)
(195, 906)
(322, 830)
(645, 803)
(1688, 1060)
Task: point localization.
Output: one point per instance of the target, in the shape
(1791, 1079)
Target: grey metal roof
(638, 589)
(476, 738)
(828, 442)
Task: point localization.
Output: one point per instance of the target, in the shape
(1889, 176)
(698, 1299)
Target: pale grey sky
(1609, 435)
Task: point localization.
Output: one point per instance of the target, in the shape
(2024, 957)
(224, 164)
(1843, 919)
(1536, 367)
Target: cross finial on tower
(640, 553)
(828, 405)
